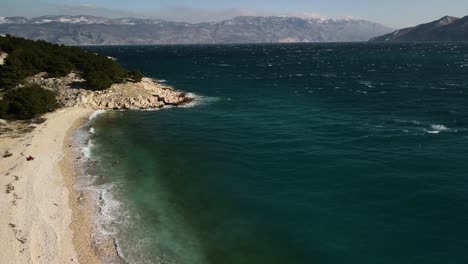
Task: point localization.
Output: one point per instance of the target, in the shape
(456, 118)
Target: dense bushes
(27, 102)
(27, 58)
(135, 76)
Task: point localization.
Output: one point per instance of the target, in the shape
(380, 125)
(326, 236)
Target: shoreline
(45, 219)
(80, 202)
(84, 204)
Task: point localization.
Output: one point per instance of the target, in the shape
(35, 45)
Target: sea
(290, 153)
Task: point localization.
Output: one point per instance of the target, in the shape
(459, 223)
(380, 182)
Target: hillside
(89, 30)
(38, 77)
(445, 29)
(27, 58)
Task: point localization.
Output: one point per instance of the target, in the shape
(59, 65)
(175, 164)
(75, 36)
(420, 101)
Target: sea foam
(87, 149)
(96, 114)
(439, 127)
(199, 100)
(436, 129)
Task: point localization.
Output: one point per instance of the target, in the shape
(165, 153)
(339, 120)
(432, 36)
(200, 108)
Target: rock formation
(3, 56)
(146, 94)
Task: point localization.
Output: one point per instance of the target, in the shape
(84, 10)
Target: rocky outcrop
(147, 94)
(3, 56)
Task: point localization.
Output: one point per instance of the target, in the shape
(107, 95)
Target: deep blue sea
(292, 153)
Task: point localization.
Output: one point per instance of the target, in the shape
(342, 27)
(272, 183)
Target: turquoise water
(317, 153)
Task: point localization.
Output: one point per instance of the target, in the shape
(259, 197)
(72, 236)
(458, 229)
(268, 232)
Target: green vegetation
(135, 76)
(27, 58)
(27, 102)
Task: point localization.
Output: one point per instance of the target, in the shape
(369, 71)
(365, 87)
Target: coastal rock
(146, 94)
(3, 56)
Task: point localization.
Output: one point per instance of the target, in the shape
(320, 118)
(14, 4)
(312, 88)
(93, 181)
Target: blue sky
(394, 13)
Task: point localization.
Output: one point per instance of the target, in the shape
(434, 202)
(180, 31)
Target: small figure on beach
(30, 158)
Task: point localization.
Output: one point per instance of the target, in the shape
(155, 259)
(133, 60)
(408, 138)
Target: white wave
(154, 109)
(96, 114)
(92, 130)
(436, 129)
(110, 210)
(86, 150)
(439, 128)
(369, 84)
(199, 100)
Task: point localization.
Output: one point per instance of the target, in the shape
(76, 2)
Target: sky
(393, 13)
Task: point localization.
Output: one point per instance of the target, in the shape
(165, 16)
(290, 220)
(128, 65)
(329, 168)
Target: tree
(27, 58)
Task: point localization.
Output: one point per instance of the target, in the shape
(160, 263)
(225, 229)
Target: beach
(43, 219)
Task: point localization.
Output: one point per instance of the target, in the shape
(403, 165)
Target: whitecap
(439, 128)
(199, 100)
(92, 130)
(367, 83)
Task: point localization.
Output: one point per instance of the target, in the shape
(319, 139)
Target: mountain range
(90, 30)
(445, 29)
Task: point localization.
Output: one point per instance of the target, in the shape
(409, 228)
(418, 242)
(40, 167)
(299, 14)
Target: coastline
(80, 202)
(83, 203)
(44, 218)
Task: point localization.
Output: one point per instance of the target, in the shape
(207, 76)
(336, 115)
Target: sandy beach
(42, 219)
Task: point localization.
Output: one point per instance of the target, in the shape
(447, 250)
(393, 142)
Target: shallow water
(317, 153)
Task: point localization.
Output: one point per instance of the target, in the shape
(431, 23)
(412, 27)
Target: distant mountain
(445, 29)
(89, 30)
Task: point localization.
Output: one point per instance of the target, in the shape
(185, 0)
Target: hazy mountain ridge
(445, 29)
(90, 30)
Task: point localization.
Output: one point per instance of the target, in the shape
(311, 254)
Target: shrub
(3, 108)
(27, 58)
(27, 102)
(135, 76)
